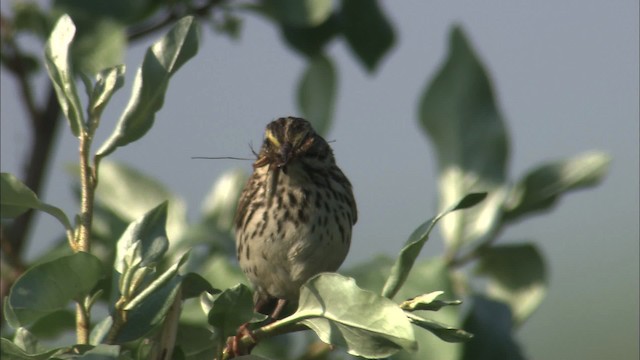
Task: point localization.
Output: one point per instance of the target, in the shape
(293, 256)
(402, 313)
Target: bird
(295, 214)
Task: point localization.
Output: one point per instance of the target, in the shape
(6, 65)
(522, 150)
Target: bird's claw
(235, 345)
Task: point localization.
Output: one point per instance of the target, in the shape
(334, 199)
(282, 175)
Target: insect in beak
(272, 182)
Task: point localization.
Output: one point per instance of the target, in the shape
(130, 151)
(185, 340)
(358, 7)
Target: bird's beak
(286, 151)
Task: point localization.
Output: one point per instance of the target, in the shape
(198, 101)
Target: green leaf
(516, 276)
(58, 63)
(228, 310)
(149, 232)
(372, 274)
(54, 324)
(124, 11)
(16, 198)
(9, 350)
(99, 352)
(470, 200)
(540, 189)
(416, 241)
(228, 24)
(367, 30)
(362, 322)
(50, 286)
(148, 308)
(129, 194)
(491, 325)
(195, 341)
(100, 44)
(444, 332)
(194, 284)
(460, 116)
(100, 331)
(299, 12)
(170, 275)
(429, 275)
(108, 81)
(310, 41)
(26, 340)
(161, 61)
(219, 206)
(427, 302)
(151, 312)
(223, 272)
(317, 93)
(30, 17)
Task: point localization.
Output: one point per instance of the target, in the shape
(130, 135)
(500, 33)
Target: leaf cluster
(165, 288)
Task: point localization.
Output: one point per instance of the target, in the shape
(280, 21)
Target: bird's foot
(237, 346)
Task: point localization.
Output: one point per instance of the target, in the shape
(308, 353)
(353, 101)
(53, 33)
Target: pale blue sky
(566, 78)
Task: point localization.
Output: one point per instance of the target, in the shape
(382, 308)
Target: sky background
(566, 79)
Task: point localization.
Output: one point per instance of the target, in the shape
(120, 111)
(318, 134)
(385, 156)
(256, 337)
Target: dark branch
(169, 17)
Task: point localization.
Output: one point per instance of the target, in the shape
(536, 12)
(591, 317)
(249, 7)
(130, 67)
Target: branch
(168, 18)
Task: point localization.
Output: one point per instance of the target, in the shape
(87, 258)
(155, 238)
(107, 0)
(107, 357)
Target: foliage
(128, 252)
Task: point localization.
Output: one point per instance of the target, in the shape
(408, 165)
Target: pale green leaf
(156, 284)
(362, 322)
(149, 313)
(223, 272)
(416, 241)
(101, 43)
(367, 30)
(58, 63)
(100, 331)
(540, 189)
(431, 275)
(16, 198)
(9, 350)
(54, 324)
(491, 324)
(194, 284)
(148, 307)
(26, 340)
(149, 233)
(50, 286)
(372, 274)
(444, 332)
(101, 352)
(228, 310)
(108, 81)
(427, 302)
(459, 114)
(516, 276)
(219, 206)
(161, 61)
(311, 41)
(302, 13)
(317, 93)
(129, 194)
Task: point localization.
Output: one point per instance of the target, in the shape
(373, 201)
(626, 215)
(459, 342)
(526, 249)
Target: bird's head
(288, 139)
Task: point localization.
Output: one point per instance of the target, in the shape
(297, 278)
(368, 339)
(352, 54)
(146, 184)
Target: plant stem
(83, 243)
(286, 325)
(87, 188)
(82, 324)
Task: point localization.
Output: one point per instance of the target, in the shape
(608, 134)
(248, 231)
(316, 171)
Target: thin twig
(170, 17)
